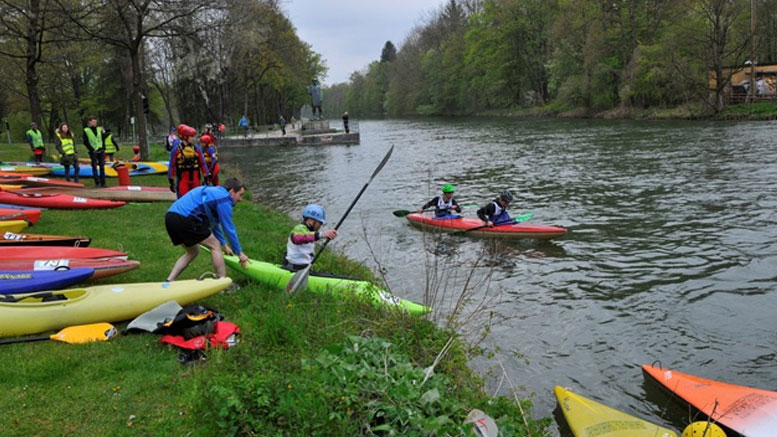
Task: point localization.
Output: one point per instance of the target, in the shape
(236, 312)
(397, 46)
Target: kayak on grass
(31, 215)
(13, 225)
(85, 170)
(277, 277)
(27, 170)
(103, 268)
(114, 193)
(749, 411)
(18, 253)
(23, 314)
(587, 418)
(21, 281)
(55, 201)
(511, 231)
(19, 239)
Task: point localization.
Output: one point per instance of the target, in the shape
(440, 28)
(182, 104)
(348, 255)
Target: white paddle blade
(484, 425)
(298, 281)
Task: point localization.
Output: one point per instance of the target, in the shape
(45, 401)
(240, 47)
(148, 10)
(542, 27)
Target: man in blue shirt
(203, 216)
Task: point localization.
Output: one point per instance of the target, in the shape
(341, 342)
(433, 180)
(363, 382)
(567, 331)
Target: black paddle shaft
(347, 211)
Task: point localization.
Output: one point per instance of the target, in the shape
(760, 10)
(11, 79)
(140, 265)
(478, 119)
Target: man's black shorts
(185, 230)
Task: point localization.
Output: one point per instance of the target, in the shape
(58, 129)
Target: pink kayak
(17, 253)
(510, 231)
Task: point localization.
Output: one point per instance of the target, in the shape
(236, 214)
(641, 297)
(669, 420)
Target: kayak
(10, 187)
(102, 268)
(20, 281)
(749, 411)
(85, 170)
(18, 207)
(272, 275)
(35, 181)
(138, 194)
(55, 201)
(34, 171)
(516, 230)
(13, 225)
(17, 239)
(31, 215)
(22, 314)
(589, 418)
(18, 253)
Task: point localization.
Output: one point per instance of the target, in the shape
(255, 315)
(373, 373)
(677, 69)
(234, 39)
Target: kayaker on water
(496, 211)
(203, 216)
(443, 204)
(302, 239)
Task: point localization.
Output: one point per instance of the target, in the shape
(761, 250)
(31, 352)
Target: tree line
(192, 61)
(476, 56)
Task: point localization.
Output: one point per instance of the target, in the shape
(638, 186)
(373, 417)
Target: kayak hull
(272, 275)
(21, 253)
(102, 268)
(20, 281)
(749, 411)
(19, 239)
(55, 201)
(32, 215)
(103, 303)
(511, 231)
(587, 418)
(13, 225)
(34, 181)
(136, 194)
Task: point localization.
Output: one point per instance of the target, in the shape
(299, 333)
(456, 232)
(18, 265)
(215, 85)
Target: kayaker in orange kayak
(496, 211)
(443, 204)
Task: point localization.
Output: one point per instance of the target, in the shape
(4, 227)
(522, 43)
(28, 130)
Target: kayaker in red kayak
(302, 239)
(204, 216)
(496, 211)
(444, 204)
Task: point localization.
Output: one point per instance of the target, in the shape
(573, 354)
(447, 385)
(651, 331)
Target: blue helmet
(316, 212)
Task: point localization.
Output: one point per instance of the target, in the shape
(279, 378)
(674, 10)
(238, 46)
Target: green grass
(296, 371)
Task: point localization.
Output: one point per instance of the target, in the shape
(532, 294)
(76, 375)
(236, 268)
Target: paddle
(300, 279)
(404, 212)
(74, 334)
(519, 219)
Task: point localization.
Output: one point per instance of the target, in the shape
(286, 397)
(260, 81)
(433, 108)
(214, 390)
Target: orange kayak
(749, 411)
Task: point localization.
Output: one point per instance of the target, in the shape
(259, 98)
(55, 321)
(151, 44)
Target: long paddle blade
(298, 281)
(74, 334)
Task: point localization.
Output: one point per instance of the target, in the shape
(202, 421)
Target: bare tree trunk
(137, 80)
(31, 80)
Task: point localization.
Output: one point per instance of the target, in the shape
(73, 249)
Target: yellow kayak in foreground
(46, 311)
(588, 418)
(12, 225)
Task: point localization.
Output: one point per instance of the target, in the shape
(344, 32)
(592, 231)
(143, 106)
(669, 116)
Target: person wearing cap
(211, 154)
(94, 140)
(301, 244)
(35, 140)
(187, 168)
(495, 213)
(203, 217)
(443, 204)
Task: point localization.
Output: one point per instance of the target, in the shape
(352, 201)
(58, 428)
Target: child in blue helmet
(444, 204)
(301, 245)
(495, 213)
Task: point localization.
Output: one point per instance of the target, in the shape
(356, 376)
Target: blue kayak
(85, 170)
(29, 281)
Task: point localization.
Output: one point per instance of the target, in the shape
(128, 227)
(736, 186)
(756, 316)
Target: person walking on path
(243, 123)
(95, 144)
(282, 122)
(35, 140)
(66, 146)
(203, 217)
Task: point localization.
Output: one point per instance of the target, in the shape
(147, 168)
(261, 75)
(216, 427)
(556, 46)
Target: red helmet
(185, 131)
(207, 139)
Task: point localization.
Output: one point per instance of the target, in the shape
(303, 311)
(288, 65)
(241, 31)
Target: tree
(389, 53)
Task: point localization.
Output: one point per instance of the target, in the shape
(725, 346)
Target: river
(671, 255)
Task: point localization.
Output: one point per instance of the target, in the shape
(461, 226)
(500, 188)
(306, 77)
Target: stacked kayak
(102, 268)
(510, 231)
(22, 314)
(15, 281)
(12, 225)
(118, 193)
(20, 253)
(35, 181)
(274, 276)
(31, 215)
(55, 201)
(17, 239)
(27, 170)
(85, 170)
(589, 418)
(749, 411)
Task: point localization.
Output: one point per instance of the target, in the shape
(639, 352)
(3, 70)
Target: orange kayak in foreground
(749, 411)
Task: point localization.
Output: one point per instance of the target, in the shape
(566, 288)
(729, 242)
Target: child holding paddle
(302, 239)
(443, 204)
(495, 213)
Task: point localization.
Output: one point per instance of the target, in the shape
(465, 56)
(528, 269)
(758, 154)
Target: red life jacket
(224, 337)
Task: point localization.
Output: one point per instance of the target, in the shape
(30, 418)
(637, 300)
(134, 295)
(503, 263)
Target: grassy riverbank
(310, 365)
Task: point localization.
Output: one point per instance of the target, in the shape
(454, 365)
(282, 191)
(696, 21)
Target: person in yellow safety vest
(66, 146)
(111, 145)
(35, 140)
(95, 144)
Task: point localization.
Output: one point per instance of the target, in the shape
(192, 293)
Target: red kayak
(749, 411)
(516, 230)
(136, 188)
(102, 267)
(35, 181)
(31, 215)
(55, 201)
(19, 253)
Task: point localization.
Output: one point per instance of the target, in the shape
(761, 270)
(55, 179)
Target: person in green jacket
(111, 145)
(35, 140)
(66, 146)
(94, 140)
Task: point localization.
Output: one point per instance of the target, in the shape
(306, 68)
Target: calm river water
(672, 253)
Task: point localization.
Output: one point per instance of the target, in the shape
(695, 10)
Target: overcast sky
(350, 34)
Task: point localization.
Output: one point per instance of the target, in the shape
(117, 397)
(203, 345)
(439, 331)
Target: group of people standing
(192, 165)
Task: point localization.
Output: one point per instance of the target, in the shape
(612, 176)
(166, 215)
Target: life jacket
(443, 208)
(68, 146)
(110, 147)
(301, 254)
(187, 159)
(37, 138)
(224, 336)
(500, 214)
(211, 157)
(95, 139)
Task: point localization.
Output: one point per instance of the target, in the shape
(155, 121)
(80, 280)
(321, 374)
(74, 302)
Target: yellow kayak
(32, 313)
(588, 418)
(33, 171)
(12, 225)
(10, 187)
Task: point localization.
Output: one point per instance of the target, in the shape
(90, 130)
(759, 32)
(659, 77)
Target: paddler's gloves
(172, 185)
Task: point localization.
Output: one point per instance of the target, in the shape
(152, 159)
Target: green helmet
(448, 188)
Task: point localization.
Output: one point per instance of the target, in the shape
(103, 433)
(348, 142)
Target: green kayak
(274, 276)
